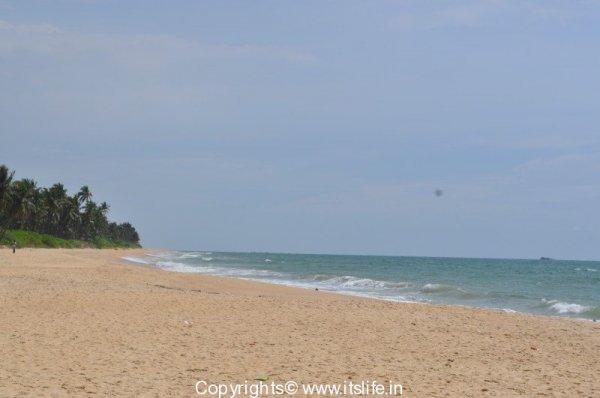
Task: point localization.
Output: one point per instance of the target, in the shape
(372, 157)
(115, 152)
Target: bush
(34, 239)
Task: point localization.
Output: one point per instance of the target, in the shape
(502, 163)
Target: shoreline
(153, 252)
(359, 296)
(86, 321)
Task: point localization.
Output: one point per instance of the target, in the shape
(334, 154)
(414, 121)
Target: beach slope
(83, 322)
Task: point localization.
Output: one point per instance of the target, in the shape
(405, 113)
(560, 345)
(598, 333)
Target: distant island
(48, 217)
(546, 259)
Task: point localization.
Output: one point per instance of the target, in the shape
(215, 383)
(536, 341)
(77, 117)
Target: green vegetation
(103, 243)
(49, 217)
(34, 239)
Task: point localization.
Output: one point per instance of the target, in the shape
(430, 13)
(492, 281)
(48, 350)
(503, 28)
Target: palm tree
(88, 221)
(6, 177)
(84, 195)
(101, 219)
(55, 198)
(24, 206)
(51, 210)
(70, 218)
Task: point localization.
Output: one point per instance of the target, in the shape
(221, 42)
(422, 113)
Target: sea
(545, 287)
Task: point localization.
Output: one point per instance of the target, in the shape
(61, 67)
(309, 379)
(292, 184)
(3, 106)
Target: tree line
(25, 206)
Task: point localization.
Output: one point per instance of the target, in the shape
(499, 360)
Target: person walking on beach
(14, 246)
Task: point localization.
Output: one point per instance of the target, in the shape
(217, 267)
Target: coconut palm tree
(84, 195)
(23, 208)
(23, 205)
(55, 198)
(101, 219)
(6, 177)
(70, 218)
(88, 221)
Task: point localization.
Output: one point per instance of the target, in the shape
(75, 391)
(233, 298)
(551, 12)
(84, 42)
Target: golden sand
(82, 322)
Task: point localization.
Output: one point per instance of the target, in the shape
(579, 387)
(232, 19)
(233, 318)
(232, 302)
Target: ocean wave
(171, 264)
(351, 281)
(322, 277)
(568, 308)
(586, 269)
(367, 282)
(190, 255)
(159, 255)
(250, 273)
(565, 308)
(435, 288)
(180, 267)
(356, 282)
(136, 260)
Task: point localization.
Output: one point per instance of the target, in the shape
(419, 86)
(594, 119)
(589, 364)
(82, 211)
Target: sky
(315, 126)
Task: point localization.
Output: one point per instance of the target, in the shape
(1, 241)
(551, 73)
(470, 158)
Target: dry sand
(82, 322)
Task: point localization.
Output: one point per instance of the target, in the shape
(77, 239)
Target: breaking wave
(566, 308)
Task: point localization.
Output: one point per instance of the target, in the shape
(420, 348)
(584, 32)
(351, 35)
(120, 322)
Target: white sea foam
(337, 282)
(178, 267)
(322, 277)
(250, 273)
(351, 281)
(434, 288)
(431, 288)
(159, 255)
(569, 308)
(565, 308)
(136, 260)
(190, 255)
(255, 268)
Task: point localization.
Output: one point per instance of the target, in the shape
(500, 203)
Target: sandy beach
(83, 322)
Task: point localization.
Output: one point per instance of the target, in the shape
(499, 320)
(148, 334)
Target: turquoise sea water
(561, 288)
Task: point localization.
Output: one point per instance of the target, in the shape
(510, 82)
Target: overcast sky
(315, 126)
